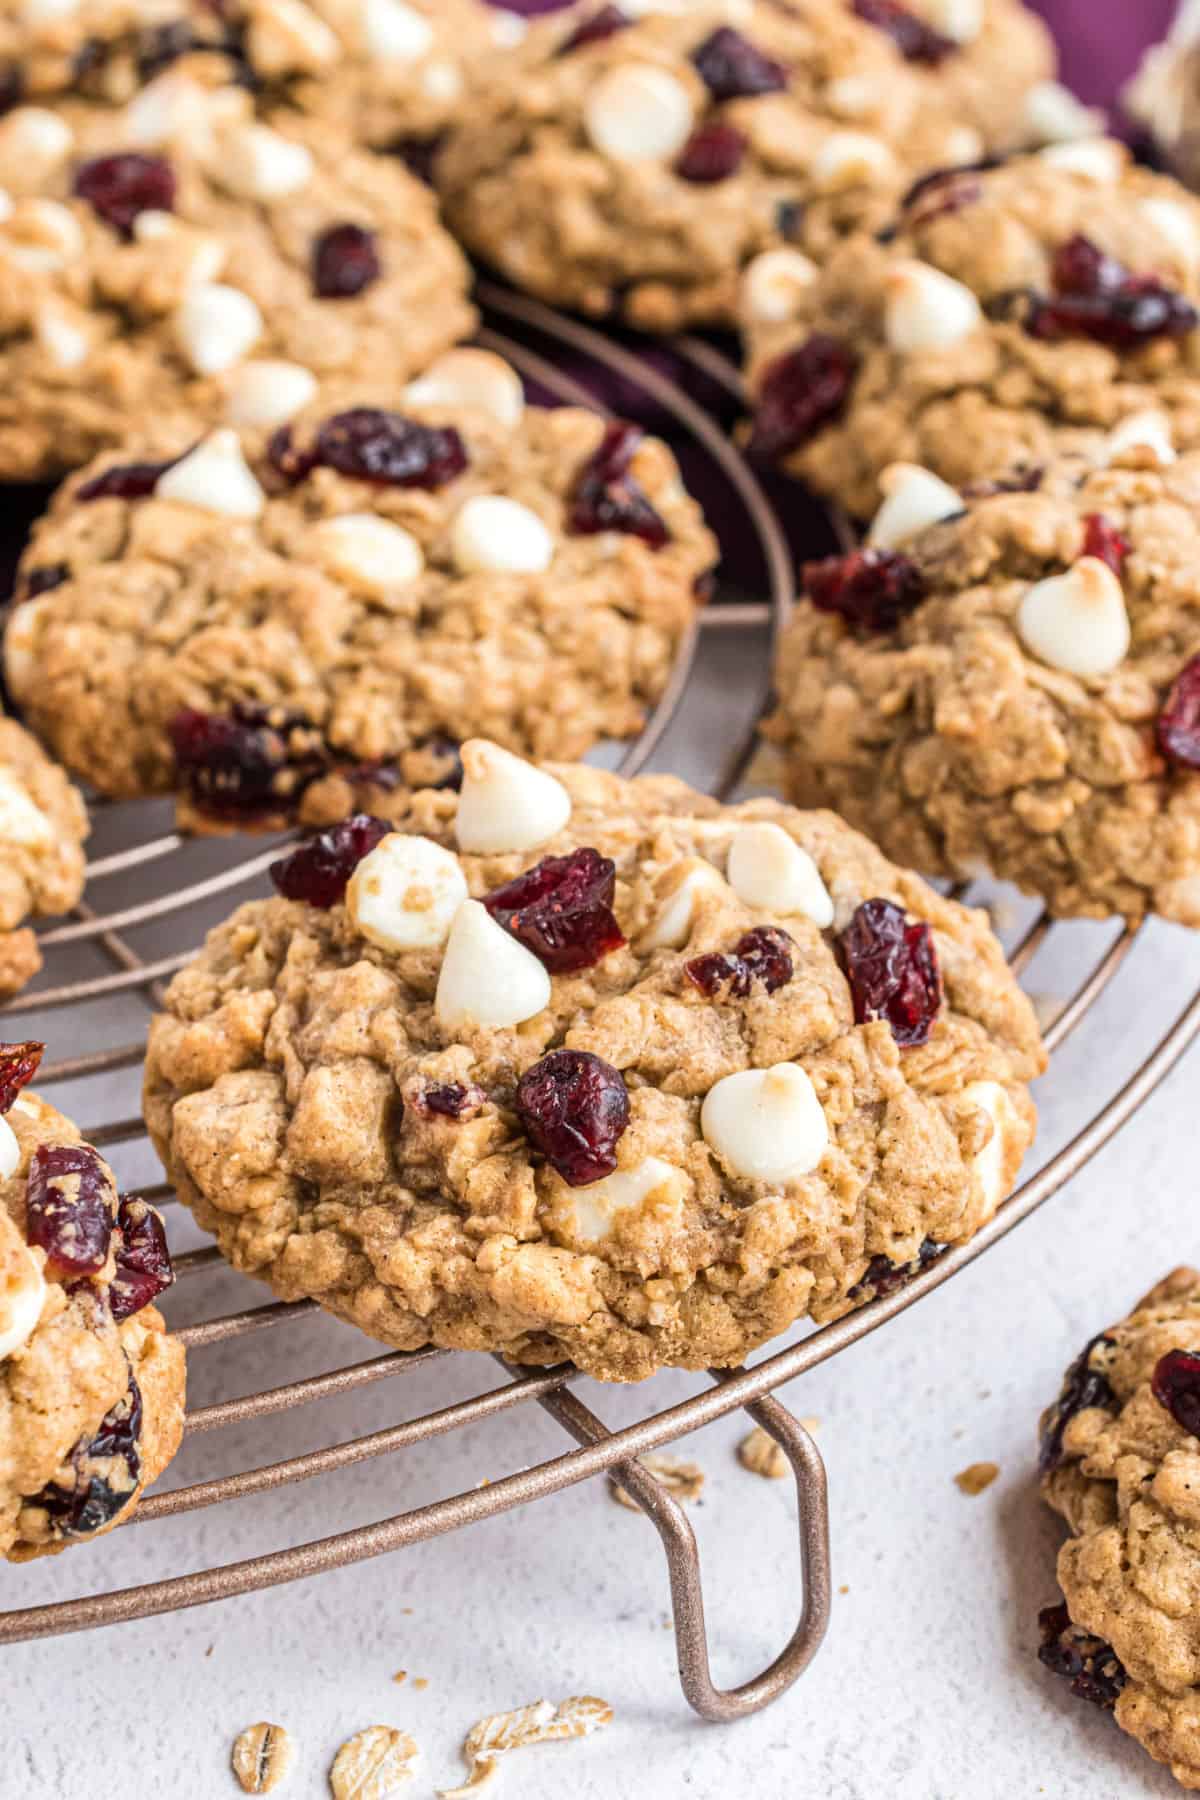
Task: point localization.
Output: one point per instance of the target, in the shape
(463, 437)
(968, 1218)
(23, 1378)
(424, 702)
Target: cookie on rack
(1009, 679)
(312, 617)
(43, 826)
(569, 1065)
(644, 161)
(91, 1384)
(178, 258)
(1010, 313)
(1120, 1461)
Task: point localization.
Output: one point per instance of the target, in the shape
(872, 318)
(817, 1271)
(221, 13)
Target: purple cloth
(1101, 44)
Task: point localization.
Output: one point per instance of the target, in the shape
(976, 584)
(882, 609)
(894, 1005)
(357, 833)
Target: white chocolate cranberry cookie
(43, 826)
(1009, 678)
(569, 1065)
(1011, 313)
(91, 1385)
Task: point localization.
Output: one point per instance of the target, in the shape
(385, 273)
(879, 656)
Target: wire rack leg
(723, 1705)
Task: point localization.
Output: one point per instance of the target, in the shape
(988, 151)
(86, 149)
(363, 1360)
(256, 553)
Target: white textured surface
(927, 1687)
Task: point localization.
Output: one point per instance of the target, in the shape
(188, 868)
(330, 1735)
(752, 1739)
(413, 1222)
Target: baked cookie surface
(1121, 1463)
(376, 580)
(1012, 312)
(43, 825)
(643, 162)
(91, 1384)
(611, 1095)
(169, 257)
(1011, 680)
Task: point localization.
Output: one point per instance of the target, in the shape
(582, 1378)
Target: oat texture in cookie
(1120, 1462)
(176, 257)
(301, 624)
(1010, 313)
(1010, 679)
(636, 165)
(43, 825)
(91, 1385)
(574, 1066)
(50, 47)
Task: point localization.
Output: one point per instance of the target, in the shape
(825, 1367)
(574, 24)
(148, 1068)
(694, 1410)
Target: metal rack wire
(544, 344)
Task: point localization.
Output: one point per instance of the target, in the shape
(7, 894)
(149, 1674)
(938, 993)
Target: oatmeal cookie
(1011, 681)
(43, 825)
(178, 258)
(1011, 313)
(91, 1385)
(375, 580)
(1121, 1463)
(46, 50)
(574, 1066)
(640, 164)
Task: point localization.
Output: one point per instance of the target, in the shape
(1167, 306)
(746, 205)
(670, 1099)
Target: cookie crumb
(372, 1764)
(262, 1757)
(977, 1476)
(684, 1480)
(400, 1675)
(759, 1453)
(844, 1590)
(420, 1682)
(540, 1723)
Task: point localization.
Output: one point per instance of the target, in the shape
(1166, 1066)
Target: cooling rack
(689, 390)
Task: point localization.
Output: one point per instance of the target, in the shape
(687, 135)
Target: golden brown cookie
(43, 825)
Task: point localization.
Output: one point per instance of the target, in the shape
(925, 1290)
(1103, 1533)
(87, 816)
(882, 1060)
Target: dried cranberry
(1102, 539)
(801, 391)
(574, 1108)
(43, 580)
(944, 191)
(70, 1204)
(124, 481)
(345, 261)
(871, 589)
(603, 24)
(764, 954)
(1082, 1387)
(245, 763)
(914, 39)
(143, 1261)
(1092, 1667)
(18, 1066)
(732, 68)
(100, 1486)
(1176, 1385)
(1081, 267)
(1096, 297)
(320, 870)
(287, 459)
(1021, 481)
(892, 969)
(385, 447)
(562, 910)
(608, 497)
(883, 1277)
(712, 153)
(449, 1099)
(118, 188)
(1179, 720)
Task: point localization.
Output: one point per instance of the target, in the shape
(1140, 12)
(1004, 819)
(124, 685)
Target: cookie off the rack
(178, 257)
(91, 1384)
(571, 1065)
(296, 621)
(43, 825)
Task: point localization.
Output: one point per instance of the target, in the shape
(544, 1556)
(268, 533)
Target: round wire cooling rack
(99, 962)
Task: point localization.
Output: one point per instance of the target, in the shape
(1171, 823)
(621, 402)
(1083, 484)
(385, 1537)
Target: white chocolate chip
(216, 477)
(487, 978)
(1054, 116)
(405, 894)
(509, 30)
(442, 80)
(6, 205)
(964, 145)
(395, 32)
(1077, 622)
(774, 283)
(495, 535)
(20, 666)
(914, 498)
(638, 113)
(256, 163)
(288, 36)
(205, 254)
(268, 393)
(368, 552)
(175, 106)
(1101, 160)
(927, 310)
(991, 1164)
(21, 822)
(855, 96)
(766, 1124)
(767, 868)
(506, 804)
(1148, 430)
(10, 1151)
(592, 1211)
(22, 1292)
(851, 159)
(1177, 224)
(46, 12)
(216, 326)
(33, 142)
(472, 378)
(65, 342)
(671, 926)
(961, 20)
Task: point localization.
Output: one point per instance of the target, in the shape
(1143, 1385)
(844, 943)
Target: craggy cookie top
(50, 46)
(644, 161)
(177, 257)
(43, 825)
(1121, 1463)
(570, 1065)
(373, 581)
(1011, 680)
(1013, 312)
(91, 1386)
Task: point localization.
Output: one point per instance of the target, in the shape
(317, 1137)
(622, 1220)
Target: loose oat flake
(759, 1453)
(262, 1757)
(684, 1480)
(976, 1477)
(372, 1764)
(541, 1723)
